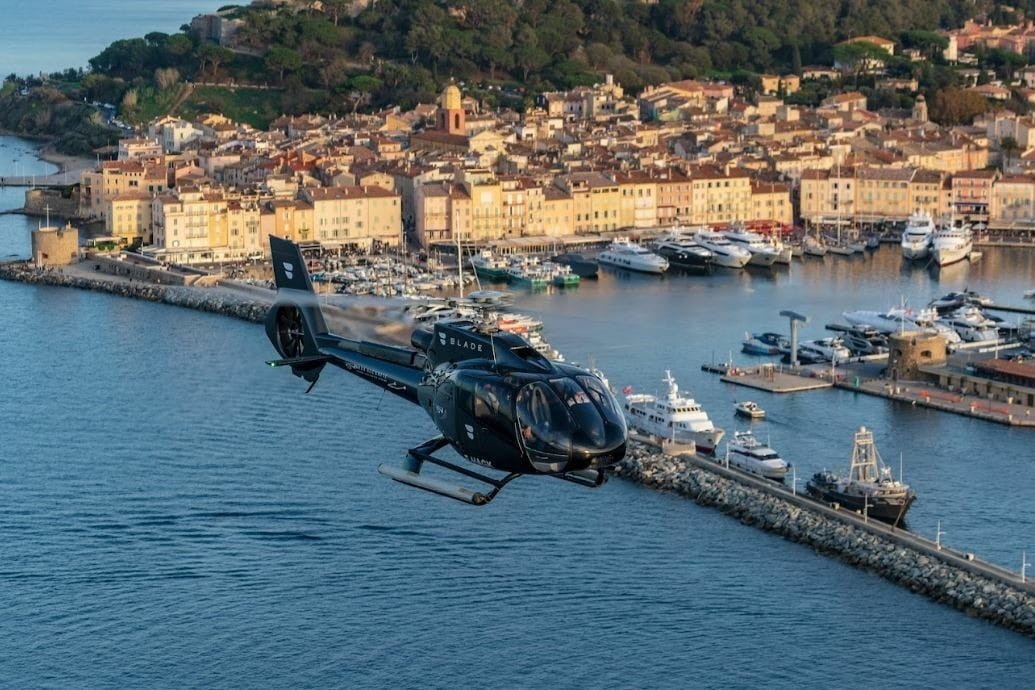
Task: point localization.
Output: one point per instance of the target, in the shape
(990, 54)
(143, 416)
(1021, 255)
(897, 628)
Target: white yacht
(724, 252)
(625, 253)
(899, 319)
(952, 244)
(762, 252)
(672, 418)
(747, 453)
(916, 238)
(972, 324)
(683, 252)
(823, 350)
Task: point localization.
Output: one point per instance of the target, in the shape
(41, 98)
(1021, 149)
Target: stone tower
(911, 350)
(920, 109)
(451, 111)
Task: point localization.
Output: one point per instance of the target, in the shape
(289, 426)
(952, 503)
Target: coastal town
(579, 163)
(308, 303)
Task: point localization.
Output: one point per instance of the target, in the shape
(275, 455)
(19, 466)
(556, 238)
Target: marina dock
(769, 377)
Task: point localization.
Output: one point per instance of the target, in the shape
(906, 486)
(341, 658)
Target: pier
(947, 575)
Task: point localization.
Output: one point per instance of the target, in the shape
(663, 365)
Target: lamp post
(1024, 566)
(938, 536)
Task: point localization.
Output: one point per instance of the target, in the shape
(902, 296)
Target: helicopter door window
(603, 399)
(492, 403)
(544, 421)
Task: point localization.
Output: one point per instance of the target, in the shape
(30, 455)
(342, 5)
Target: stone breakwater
(202, 299)
(892, 555)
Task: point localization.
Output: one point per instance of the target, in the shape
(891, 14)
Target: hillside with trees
(305, 56)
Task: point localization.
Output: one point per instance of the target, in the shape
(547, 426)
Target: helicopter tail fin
(295, 319)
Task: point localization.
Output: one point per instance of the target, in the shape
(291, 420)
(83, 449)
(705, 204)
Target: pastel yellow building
(356, 216)
(771, 202)
(1013, 201)
(638, 199)
(128, 217)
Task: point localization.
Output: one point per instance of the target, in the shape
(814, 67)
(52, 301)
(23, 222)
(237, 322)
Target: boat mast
(865, 460)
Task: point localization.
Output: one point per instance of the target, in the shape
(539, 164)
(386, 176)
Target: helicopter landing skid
(590, 479)
(410, 474)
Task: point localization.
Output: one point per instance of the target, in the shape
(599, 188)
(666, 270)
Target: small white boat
(1029, 294)
(747, 453)
(749, 409)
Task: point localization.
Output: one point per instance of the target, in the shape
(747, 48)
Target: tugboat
(869, 487)
(672, 418)
(747, 453)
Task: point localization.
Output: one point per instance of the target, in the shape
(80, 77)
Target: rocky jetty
(1011, 605)
(203, 299)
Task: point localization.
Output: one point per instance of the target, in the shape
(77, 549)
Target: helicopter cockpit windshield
(565, 419)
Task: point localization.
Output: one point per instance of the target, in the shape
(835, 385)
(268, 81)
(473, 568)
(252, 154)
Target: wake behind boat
(672, 418)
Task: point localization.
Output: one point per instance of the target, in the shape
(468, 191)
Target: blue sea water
(173, 512)
(52, 35)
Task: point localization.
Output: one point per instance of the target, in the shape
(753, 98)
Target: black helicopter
(496, 400)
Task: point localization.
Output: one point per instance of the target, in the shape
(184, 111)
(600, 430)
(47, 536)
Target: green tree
(859, 56)
(210, 54)
(282, 59)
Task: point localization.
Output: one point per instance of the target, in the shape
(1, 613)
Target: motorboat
(683, 252)
(898, 319)
(672, 418)
(765, 344)
(747, 453)
(488, 266)
(956, 299)
(972, 324)
(864, 340)
(528, 272)
(749, 409)
(868, 488)
(624, 253)
(560, 275)
(762, 252)
(1029, 294)
(580, 265)
(823, 350)
(951, 245)
(916, 238)
(725, 253)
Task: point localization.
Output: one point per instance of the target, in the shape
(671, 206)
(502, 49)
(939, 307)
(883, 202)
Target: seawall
(202, 299)
(980, 589)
